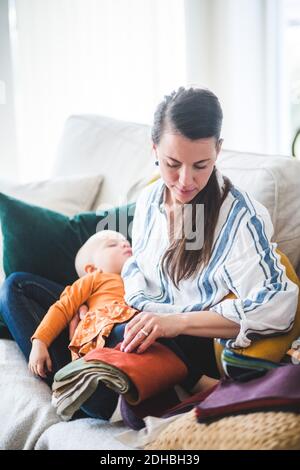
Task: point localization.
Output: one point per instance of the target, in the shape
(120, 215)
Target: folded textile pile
(242, 367)
(133, 415)
(278, 389)
(164, 405)
(237, 366)
(136, 376)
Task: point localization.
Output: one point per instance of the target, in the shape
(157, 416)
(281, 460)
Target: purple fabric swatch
(277, 389)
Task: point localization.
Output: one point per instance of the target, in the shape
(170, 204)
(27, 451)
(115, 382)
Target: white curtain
(111, 57)
(237, 48)
(8, 150)
(119, 57)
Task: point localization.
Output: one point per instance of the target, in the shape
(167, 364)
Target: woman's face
(186, 165)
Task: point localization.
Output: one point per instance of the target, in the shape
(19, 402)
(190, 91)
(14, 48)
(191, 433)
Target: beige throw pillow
(68, 195)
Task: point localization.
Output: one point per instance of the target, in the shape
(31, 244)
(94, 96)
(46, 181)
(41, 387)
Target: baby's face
(111, 253)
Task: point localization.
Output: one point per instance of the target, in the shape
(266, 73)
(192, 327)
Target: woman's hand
(76, 319)
(39, 360)
(146, 327)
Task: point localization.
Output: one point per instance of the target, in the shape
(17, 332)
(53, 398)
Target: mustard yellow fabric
(271, 348)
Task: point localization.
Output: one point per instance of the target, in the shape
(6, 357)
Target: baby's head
(106, 250)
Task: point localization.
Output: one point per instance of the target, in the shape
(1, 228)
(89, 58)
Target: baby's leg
(103, 402)
(116, 336)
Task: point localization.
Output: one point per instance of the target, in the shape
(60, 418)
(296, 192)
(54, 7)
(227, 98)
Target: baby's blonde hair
(85, 254)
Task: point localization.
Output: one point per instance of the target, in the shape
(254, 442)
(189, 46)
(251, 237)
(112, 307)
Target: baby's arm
(61, 312)
(39, 360)
(57, 318)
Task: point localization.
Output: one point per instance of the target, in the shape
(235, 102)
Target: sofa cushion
(31, 421)
(26, 411)
(45, 242)
(83, 434)
(119, 150)
(274, 182)
(67, 195)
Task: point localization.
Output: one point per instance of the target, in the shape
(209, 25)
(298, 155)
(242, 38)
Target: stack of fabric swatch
(251, 384)
(242, 367)
(277, 389)
(137, 377)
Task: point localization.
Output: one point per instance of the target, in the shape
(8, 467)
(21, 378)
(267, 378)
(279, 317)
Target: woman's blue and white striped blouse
(243, 261)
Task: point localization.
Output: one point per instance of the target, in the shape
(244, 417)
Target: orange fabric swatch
(151, 372)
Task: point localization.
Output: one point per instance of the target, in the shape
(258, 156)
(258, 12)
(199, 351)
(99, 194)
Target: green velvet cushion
(44, 242)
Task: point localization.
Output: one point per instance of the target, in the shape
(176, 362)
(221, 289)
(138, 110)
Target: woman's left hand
(80, 314)
(146, 327)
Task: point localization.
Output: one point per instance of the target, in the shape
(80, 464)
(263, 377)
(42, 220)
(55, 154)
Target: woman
(176, 283)
(181, 291)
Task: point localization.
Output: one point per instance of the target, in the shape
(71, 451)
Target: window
(292, 16)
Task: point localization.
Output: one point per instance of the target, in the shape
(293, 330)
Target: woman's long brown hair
(194, 113)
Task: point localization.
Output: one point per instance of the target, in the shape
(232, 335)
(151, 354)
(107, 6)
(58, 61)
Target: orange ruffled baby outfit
(104, 295)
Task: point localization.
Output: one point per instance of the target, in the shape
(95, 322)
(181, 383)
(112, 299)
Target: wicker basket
(253, 431)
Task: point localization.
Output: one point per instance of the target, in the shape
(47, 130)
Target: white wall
(8, 147)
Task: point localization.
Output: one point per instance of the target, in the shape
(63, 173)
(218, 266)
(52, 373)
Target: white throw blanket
(28, 420)
(25, 405)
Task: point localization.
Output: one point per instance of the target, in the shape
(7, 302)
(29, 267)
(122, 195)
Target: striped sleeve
(267, 299)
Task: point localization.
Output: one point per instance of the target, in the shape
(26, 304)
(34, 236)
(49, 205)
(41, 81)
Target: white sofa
(112, 161)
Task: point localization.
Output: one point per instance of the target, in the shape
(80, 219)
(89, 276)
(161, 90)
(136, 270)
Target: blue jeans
(24, 300)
